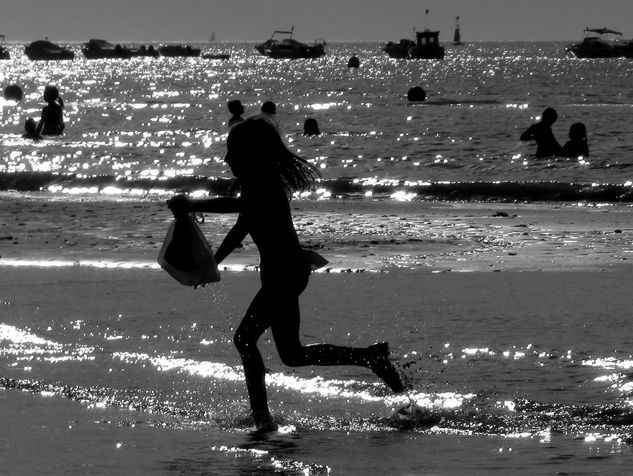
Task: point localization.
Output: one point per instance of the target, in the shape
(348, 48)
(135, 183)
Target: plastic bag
(186, 255)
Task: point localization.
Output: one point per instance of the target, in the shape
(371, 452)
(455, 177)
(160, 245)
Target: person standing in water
(236, 109)
(52, 120)
(267, 173)
(577, 145)
(541, 132)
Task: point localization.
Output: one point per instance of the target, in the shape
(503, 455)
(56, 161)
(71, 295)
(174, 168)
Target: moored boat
(46, 51)
(426, 46)
(141, 51)
(597, 43)
(289, 48)
(99, 49)
(178, 50)
(4, 52)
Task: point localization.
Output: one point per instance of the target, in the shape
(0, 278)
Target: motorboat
(289, 48)
(425, 46)
(597, 43)
(4, 52)
(98, 49)
(144, 51)
(178, 50)
(46, 50)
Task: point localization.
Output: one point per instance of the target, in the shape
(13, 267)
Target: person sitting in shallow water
(576, 146)
(52, 121)
(30, 130)
(268, 173)
(541, 132)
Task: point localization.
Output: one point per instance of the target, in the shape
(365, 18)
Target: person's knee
(292, 357)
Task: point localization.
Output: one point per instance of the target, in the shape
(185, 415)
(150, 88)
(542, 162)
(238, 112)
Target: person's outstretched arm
(181, 204)
(232, 240)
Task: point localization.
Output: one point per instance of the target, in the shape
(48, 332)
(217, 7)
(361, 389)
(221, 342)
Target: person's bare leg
(253, 325)
(285, 328)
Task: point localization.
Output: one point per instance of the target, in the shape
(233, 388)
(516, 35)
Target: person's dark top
(546, 143)
(575, 149)
(52, 121)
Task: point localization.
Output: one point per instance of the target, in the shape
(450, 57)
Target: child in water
(267, 173)
(541, 132)
(52, 121)
(576, 146)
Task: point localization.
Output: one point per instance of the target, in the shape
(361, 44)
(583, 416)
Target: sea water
(143, 129)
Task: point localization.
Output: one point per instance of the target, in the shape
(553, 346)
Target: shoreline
(351, 235)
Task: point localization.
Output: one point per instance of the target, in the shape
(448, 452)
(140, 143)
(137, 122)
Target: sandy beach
(553, 286)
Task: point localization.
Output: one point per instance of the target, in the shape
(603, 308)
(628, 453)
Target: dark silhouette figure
(576, 146)
(541, 132)
(416, 94)
(30, 130)
(269, 108)
(13, 92)
(236, 109)
(311, 127)
(353, 62)
(52, 121)
(268, 173)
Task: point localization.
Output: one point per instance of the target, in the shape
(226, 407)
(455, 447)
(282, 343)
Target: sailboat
(457, 38)
(212, 38)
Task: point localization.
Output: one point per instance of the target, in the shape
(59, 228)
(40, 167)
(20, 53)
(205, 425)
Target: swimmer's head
(549, 116)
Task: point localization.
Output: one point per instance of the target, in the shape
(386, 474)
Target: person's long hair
(257, 145)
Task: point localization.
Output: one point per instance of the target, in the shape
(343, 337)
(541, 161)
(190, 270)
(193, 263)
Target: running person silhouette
(267, 172)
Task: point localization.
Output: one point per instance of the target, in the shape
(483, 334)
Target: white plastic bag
(186, 255)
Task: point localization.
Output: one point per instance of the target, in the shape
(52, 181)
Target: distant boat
(212, 38)
(426, 46)
(597, 43)
(4, 52)
(178, 50)
(100, 49)
(289, 48)
(457, 37)
(143, 51)
(45, 50)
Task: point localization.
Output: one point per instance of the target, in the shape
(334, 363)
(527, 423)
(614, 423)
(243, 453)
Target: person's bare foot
(264, 423)
(379, 364)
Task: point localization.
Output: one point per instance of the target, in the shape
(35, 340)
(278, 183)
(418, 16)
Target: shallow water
(545, 380)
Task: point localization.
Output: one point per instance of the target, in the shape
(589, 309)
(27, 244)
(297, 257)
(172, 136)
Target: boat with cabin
(425, 46)
(289, 48)
(100, 49)
(4, 52)
(44, 50)
(178, 50)
(597, 43)
(144, 51)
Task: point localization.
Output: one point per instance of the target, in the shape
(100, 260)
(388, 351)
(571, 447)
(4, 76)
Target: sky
(332, 20)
